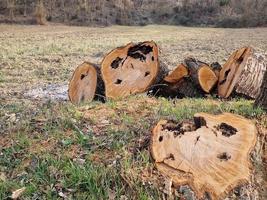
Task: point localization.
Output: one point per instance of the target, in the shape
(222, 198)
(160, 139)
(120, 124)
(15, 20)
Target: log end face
(211, 154)
(130, 69)
(82, 86)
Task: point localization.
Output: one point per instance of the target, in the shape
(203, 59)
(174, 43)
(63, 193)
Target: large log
(131, 69)
(86, 84)
(242, 73)
(210, 153)
(202, 74)
(261, 100)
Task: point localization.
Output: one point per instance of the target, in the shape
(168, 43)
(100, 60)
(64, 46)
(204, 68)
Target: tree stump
(201, 74)
(131, 69)
(86, 84)
(210, 153)
(242, 73)
(261, 100)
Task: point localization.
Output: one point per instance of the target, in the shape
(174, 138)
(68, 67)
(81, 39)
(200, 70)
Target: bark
(261, 100)
(205, 153)
(176, 85)
(131, 69)
(242, 74)
(201, 74)
(86, 84)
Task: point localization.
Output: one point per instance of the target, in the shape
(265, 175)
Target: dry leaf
(16, 194)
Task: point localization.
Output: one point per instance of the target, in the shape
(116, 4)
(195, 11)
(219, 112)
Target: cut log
(176, 85)
(177, 74)
(210, 153)
(86, 84)
(261, 100)
(131, 69)
(242, 73)
(201, 74)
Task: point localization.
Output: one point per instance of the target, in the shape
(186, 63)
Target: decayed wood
(209, 153)
(242, 73)
(86, 84)
(131, 69)
(261, 100)
(176, 85)
(202, 74)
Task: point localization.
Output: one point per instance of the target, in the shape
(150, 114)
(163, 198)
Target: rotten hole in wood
(199, 122)
(171, 157)
(227, 130)
(118, 81)
(152, 58)
(225, 76)
(115, 64)
(240, 60)
(147, 73)
(224, 156)
(179, 129)
(139, 51)
(83, 76)
(160, 138)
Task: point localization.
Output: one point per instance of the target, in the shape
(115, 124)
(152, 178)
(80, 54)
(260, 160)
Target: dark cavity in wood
(179, 129)
(227, 130)
(152, 58)
(118, 81)
(115, 64)
(225, 76)
(160, 138)
(139, 51)
(146, 74)
(224, 156)
(171, 156)
(83, 76)
(199, 122)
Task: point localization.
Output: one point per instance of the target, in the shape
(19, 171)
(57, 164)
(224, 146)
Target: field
(101, 151)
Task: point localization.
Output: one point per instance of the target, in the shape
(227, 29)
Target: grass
(96, 150)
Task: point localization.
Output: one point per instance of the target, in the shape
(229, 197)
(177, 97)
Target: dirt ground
(57, 150)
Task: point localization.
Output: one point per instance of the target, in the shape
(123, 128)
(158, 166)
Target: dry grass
(99, 150)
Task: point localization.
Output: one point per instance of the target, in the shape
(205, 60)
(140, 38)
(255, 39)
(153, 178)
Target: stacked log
(136, 68)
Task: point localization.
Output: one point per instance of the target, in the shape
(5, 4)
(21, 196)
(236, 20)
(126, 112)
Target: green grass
(108, 157)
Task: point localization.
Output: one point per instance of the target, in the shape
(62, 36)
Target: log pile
(136, 68)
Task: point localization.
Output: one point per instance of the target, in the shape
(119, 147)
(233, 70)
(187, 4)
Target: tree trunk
(86, 84)
(210, 153)
(40, 13)
(242, 73)
(261, 100)
(201, 74)
(131, 69)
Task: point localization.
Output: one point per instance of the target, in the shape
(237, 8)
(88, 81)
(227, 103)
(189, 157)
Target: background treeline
(220, 13)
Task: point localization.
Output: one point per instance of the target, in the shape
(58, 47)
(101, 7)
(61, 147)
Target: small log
(242, 73)
(176, 85)
(210, 153)
(261, 100)
(201, 74)
(86, 84)
(131, 69)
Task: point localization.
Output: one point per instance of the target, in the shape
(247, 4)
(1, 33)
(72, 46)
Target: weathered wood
(261, 100)
(176, 85)
(201, 74)
(131, 69)
(242, 73)
(210, 153)
(86, 84)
